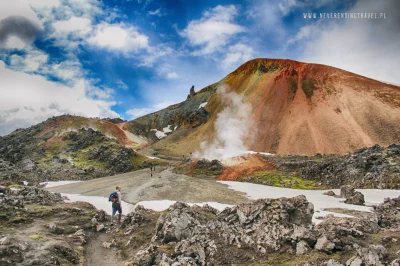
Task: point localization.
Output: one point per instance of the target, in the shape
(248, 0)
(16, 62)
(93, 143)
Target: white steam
(231, 127)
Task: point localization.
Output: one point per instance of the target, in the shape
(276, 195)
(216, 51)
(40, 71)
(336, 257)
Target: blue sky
(126, 58)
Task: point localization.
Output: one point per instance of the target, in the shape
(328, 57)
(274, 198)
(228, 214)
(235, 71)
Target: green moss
(56, 148)
(37, 238)
(17, 186)
(308, 86)
(276, 179)
(81, 160)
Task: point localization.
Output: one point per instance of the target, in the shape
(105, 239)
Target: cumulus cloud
(74, 24)
(172, 75)
(17, 32)
(366, 47)
(119, 37)
(139, 112)
(22, 105)
(213, 30)
(32, 61)
(236, 55)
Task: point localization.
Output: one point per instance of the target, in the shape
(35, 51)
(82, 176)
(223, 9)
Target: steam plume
(231, 127)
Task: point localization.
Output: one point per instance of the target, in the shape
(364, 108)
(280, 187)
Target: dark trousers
(116, 207)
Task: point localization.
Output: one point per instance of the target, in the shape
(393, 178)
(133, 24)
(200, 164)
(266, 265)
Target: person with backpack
(115, 198)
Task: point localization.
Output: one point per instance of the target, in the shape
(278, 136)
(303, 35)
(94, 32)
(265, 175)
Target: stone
(346, 191)
(302, 248)
(329, 193)
(100, 227)
(395, 262)
(354, 261)
(4, 240)
(333, 262)
(356, 199)
(323, 244)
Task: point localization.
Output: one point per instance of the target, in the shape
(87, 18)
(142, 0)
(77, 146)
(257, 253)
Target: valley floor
(164, 185)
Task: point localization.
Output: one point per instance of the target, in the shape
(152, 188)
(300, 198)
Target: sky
(127, 58)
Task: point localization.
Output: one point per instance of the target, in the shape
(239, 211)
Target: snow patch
(316, 197)
(202, 105)
(162, 134)
(167, 129)
(152, 157)
(58, 183)
(175, 128)
(159, 134)
(25, 183)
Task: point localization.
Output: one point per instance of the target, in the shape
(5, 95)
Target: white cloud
(237, 54)
(29, 99)
(172, 75)
(214, 30)
(139, 112)
(25, 8)
(366, 47)
(30, 62)
(73, 24)
(119, 37)
(122, 85)
(14, 42)
(156, 12)
(288, 6)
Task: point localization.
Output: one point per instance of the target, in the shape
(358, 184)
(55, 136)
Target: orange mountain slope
(301, 108)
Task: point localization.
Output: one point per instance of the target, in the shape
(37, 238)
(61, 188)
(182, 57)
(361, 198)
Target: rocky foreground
(37, 228)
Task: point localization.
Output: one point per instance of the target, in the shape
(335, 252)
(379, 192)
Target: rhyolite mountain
(296, 108)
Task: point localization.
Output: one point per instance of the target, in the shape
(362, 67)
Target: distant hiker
(115, 198)
(151, 171)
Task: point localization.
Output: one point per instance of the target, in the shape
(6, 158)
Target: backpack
(113, 197)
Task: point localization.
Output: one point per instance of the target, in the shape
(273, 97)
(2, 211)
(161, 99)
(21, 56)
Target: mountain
(293, 108)
(266, 105)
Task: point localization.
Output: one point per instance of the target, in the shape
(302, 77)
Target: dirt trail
(164, 185)
(96, 254)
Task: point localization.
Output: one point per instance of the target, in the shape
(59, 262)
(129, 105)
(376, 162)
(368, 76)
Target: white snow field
(252, 191)
(316, 197)
(49, 184)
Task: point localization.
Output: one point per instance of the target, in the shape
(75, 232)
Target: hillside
(70, 147)
(293, 108)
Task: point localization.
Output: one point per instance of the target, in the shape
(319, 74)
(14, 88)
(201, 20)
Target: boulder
(329, 193)
(324, 244)
(302, 248)
(346, 191)
(374, 255)
(333, 262)
(356, 199)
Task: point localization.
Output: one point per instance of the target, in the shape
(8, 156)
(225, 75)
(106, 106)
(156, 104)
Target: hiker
(151, 171)
(115, 198)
